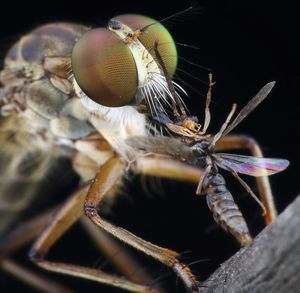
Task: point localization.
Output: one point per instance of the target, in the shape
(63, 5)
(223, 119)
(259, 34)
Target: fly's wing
(253, 103)
(29, 175)
(17, 175)
(163, 145)
(252, 166)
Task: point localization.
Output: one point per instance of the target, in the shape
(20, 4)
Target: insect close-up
(89, 113)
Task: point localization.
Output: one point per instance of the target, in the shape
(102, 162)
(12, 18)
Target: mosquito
(197, 148)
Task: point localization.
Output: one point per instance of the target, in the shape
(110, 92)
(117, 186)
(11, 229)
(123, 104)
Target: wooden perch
(270, 264)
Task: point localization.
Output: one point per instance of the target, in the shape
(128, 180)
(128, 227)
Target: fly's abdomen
(225, 211)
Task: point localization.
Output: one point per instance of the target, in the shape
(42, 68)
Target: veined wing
(250, 165)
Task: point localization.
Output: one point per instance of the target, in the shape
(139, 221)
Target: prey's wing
(250, 165)
(163, 145)
(252, 104)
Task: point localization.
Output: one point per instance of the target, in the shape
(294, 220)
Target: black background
(245, 44)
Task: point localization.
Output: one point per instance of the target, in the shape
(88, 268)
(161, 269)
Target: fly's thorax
(39, 115)
(37, 86)
(31, 56)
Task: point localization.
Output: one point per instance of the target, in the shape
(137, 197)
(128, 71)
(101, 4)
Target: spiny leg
(32, 279)
(103, 185)
(71, 211)
(263, 183)
(27, 232)
(116, 254)
(21, 236)
(167, 168)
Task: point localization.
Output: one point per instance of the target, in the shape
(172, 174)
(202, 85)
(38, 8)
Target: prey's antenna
(252, 104)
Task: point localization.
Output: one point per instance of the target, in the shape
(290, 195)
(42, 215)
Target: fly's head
(117, 77)
(116, 67)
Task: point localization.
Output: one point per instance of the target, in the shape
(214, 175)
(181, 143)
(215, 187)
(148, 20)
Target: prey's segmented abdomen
(225, 211)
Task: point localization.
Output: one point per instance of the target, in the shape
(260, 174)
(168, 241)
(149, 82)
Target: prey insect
(196, 147)
(68, 90)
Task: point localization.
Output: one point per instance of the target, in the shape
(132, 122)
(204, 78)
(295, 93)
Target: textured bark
(270, 264)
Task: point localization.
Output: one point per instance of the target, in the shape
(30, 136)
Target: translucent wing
(250, 165)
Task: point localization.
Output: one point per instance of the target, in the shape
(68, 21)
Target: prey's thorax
(203, 151)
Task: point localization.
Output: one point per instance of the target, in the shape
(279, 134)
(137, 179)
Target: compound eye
(154, 33)
(104, 68)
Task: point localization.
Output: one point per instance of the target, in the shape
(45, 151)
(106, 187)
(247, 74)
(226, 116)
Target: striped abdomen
(225, 211)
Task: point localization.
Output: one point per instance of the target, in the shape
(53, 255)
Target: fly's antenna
(179, 13)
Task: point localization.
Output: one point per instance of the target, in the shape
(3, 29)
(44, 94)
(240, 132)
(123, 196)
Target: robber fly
(196, 147)
(68, 90)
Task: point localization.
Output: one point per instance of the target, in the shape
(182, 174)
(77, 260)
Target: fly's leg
(104, 184)
(24, 233)
(263, 183)
(32, 279)
(71, 211)
(167, 168)
(29, 231)
(117, 255)
(67, 215)
(21, 236)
